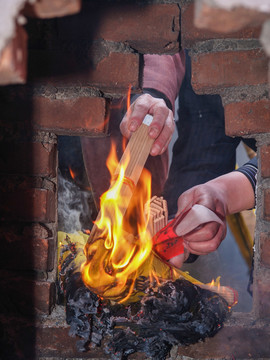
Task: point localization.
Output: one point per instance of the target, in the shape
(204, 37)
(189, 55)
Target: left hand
(207, 237)
(162, 126)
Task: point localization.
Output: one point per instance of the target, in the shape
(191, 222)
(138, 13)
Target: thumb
(185, 202)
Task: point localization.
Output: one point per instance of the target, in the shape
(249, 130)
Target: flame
(72, 173)
(123, 242)
(128, 97)
(215, 283)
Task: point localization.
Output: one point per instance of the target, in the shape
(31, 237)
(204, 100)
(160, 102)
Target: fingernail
(153, 132)
(133, 126)
(155, 150)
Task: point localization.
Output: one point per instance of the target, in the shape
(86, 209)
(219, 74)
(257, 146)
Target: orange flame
(128, 97)
(123, 243)
(72, 173)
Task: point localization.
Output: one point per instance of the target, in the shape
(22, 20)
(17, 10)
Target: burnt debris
(175, 313)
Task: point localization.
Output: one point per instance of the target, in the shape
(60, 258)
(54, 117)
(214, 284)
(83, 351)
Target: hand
(162, 126)
(207, 237)
(226, 194)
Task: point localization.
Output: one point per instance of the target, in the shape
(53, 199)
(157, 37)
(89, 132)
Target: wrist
(235, 191)
(154, 93)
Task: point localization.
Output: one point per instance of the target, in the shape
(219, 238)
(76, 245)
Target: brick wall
(66, 65)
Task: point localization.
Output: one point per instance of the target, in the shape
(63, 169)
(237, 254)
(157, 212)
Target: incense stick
(134, 158)
(156, 213)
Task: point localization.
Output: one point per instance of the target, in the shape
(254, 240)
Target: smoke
(74, 212)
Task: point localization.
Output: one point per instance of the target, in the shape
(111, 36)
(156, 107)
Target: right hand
(162, 126)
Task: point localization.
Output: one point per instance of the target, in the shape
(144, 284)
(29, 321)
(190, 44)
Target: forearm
(237, 190)
(164, 73)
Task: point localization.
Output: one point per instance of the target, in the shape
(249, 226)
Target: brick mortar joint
(101, 49)
(65, 92)
(248, 93)
(262, 225)
(44, 137)
(49, 184)
(263, 139)
(224, 45)
(27, 182)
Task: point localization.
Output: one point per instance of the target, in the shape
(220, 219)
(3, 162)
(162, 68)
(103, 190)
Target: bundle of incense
(156, 213)
(134, 156)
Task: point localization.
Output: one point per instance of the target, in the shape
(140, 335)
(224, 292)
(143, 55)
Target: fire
(72, 173)
(128, 97)
(123, 242)
(215, 283)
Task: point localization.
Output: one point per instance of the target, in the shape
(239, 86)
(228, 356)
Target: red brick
(29, 205)
(19, 333)
(265, 160)
(245, 118)
(38, 254)
(28, 158)
(234, 339)
(33, 240)
(261, 288)
(78, 116)
(26, 295)
(144, 27)
(36, 231)
(222, 20)
(266, 204)
(54, 340)
(116, 71)
(265, 249)
(191, 34)
(13, 59)
(219, 70)
(52, 8)
(113, 72)
(150, 28)
(44, 295)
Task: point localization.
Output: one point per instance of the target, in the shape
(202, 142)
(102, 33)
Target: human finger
(162, 141)
(206, 247)
(185, 201)
(145, 104)
(204, 232)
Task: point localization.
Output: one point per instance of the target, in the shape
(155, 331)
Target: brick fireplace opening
(60, 69)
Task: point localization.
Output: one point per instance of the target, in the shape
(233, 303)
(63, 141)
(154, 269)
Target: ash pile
(174, 313)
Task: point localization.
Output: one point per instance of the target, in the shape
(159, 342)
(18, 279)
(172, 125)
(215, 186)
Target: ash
(175, 313)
